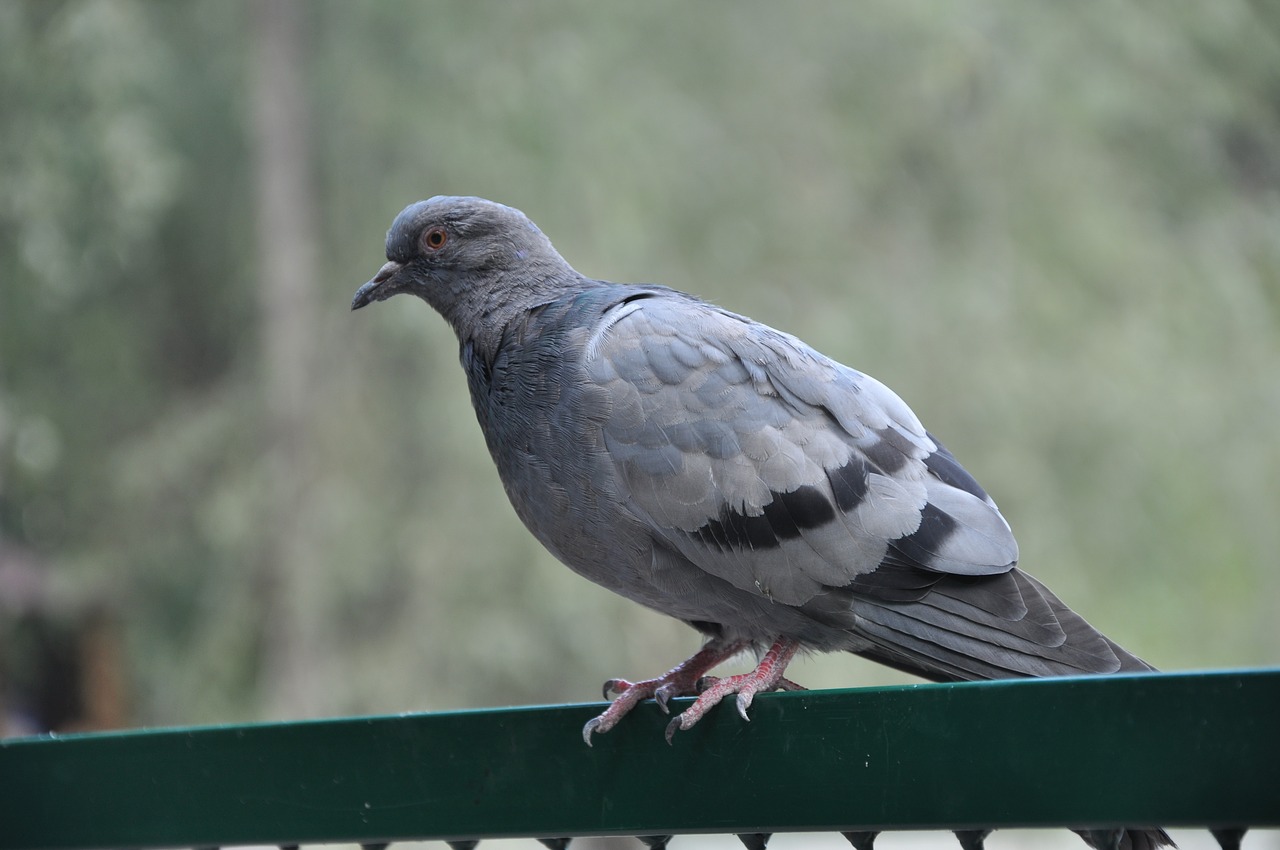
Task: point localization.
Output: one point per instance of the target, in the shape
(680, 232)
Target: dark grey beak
(376, 289)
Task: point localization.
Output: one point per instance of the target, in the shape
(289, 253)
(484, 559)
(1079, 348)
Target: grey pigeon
(727, 474)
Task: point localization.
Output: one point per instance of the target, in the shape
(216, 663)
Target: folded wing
(793, 477)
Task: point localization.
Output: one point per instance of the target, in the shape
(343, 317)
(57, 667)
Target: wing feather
(796, 479)
(733, 437)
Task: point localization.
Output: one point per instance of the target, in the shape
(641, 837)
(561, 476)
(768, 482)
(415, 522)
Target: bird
(726, 474)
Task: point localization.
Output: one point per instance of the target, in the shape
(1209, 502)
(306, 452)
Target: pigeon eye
(434, 238)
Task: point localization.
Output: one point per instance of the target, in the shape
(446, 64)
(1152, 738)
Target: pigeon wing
(791, 476)
(776, 468)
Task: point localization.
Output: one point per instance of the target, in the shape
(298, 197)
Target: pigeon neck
(483, 322)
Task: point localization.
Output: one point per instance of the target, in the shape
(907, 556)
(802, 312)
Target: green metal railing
(1198, 750)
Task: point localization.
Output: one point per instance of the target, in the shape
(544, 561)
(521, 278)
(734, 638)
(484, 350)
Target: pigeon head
(461, 255)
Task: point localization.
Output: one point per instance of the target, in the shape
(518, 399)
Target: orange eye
(434, 238)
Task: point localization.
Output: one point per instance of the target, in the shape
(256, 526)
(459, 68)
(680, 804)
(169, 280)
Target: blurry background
(1054, 229)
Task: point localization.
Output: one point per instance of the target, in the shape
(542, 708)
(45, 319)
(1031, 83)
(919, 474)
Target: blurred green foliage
(1053, 228)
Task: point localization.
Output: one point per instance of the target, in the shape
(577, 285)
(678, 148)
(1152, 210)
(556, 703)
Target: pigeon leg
(766, 677)
(680, 680)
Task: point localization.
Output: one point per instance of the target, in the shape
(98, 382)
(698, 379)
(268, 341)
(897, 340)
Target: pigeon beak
(376, 289)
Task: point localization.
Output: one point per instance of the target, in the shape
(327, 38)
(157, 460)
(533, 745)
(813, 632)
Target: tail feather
(987, 627)
(1009, 625)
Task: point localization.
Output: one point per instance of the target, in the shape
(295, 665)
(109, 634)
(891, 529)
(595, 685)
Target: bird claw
(663, 695)
(614, 686)
(630, 694)
(687, 678)
(676, 725)
(592, 725)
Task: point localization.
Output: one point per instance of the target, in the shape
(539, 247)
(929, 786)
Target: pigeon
(726, 474)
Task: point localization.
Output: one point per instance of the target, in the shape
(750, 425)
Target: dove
(726, 474)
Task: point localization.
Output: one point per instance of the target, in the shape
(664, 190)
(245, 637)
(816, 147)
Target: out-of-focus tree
(287, 243)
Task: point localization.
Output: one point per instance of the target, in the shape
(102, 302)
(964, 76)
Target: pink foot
(681, 680)
(766, 677)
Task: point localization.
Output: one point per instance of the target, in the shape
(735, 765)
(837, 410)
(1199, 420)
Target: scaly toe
(663, 695)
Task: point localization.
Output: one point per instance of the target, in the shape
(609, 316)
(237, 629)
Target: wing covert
(774, 467)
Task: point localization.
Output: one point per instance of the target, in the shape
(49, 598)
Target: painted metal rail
(1173, 749)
